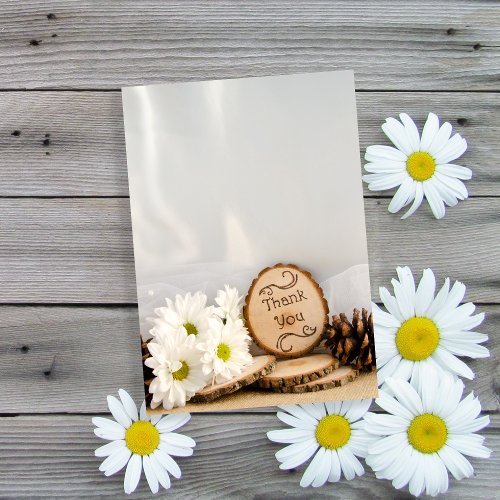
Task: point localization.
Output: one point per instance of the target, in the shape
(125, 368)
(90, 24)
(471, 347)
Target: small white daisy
(419, 166)
(177, 369)
(425, 433)
(225, 349)
(141, 442)
(421, 330)
(188, 313)
(230, 303)
(333, 432)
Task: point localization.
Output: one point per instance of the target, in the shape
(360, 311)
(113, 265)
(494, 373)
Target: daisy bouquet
(194, 345)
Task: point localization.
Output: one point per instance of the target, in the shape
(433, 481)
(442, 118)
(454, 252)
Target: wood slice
(336, 378)
(285, 311)
(262, 365)
(296, 371)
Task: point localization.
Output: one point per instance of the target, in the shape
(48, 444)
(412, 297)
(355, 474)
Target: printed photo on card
(249, 242)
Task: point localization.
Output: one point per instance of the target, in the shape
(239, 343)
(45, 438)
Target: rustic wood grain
(84, 153)
(80, 250)
(68, 359)
(53, 457)
(97, 44)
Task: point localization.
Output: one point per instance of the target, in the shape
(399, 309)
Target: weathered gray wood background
(68, 320)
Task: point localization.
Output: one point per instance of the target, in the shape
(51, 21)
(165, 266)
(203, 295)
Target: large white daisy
(421, 330)
(229, 303)
(425, 433)
(140, 442)
(188, 313)
(333, 432)
(177, 369)
(419, 166)
(225, 350)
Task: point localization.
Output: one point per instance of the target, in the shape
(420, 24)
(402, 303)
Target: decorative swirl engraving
(269, 288)
(284, 336)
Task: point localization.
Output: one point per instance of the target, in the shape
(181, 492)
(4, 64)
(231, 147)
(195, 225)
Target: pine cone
(352, 343)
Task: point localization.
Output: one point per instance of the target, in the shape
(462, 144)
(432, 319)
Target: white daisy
(188, 313)
(419, 166)
(225, 349)
(425, 433)
(177, 369)
(230, 303)
(139, 441)
(333, 432)
(421, 330)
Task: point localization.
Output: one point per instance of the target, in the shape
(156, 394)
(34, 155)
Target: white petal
(451, 363)
(391, 405)
(406, 395)
(119, 412)
(417, 482)
(295, 422)
(168, 463)
(160, 473)
(465, 348)
(142, 413)
(387, 370)
(395, 131)
(115, 462)
(411, 131)
(469, 445)
(391, 304)
(178, 440)
(110, 448)
(385, 166)
(314, 469)
(381, 152)
(440, 139)
(151, 478)
(132, 474)
(389, 444)
(128, 404)
(292, 450)
(308, 448)
(384, 425)
(387, 181)
(440, 299)
(435, 201)
(315, 410)
(455, 462)
(419, 196)
(176, 451)
(300, 413)
(429, 131)
(425, 292)
(357, 410)
(383, 318)
(351, 467)
(335, 470)
(404, 193)
(292, 435)
(454, 148)
(457, 171)
(455, 187)
(169, 423)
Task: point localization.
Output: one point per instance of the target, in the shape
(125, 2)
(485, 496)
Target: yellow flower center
(427, 433)
(417, 338)
(223, 352)
(190, 329)
(182, 372)
(333, 431)
(420, 166)
(142, 438)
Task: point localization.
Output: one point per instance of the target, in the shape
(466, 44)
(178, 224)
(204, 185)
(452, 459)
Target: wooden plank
(53, 457)
(92, 44)
(68, 143)
(80, 250)
(68, 359)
